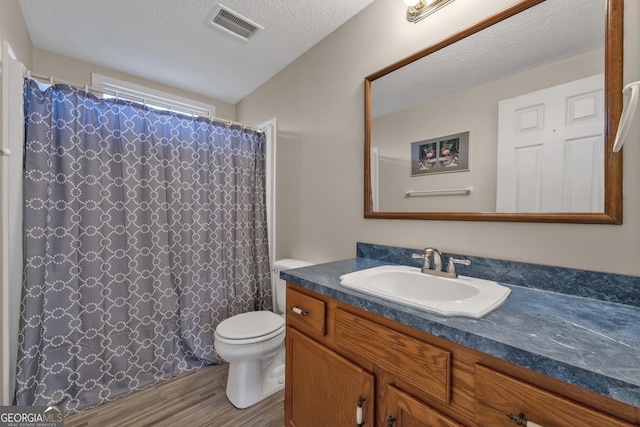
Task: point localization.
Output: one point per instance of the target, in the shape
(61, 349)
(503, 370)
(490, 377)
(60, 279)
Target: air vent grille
(234, 23)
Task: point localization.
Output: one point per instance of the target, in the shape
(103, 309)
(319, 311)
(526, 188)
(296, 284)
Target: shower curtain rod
(53, 80)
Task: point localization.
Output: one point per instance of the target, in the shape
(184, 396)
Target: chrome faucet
(426, 265)
(437, 263)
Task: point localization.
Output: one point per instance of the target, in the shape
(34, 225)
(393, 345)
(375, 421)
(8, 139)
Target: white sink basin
(462, 296)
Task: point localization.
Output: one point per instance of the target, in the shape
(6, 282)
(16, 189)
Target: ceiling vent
(234, 23)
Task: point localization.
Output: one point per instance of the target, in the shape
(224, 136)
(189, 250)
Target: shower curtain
(143, 230)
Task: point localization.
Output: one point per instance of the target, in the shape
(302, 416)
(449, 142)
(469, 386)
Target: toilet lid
(250, 325)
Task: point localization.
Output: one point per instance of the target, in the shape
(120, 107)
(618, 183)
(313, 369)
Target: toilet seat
(251, 327)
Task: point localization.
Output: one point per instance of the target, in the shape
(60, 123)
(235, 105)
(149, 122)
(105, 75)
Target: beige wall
(318, 101)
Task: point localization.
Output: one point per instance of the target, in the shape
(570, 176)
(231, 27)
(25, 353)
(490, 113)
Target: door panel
(551, 149)
(322, 387)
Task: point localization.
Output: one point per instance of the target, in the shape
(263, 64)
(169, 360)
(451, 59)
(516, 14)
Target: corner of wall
(14, 29)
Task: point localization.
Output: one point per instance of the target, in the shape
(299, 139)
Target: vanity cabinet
(338, 355)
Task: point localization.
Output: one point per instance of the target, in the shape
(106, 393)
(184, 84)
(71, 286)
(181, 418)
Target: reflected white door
(551, 149)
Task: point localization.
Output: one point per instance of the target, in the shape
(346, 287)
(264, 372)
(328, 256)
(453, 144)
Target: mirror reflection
(511, 119)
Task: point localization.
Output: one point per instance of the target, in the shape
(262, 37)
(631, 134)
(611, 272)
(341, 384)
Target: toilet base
(249, 382)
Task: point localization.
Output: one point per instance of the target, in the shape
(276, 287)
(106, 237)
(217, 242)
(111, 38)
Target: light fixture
(419, 9)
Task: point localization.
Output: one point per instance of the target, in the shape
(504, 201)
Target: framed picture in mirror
(444, 154)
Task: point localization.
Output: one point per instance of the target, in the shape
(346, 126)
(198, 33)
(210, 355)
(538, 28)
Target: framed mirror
(511, 119)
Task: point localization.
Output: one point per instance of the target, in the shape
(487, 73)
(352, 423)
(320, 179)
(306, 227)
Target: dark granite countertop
(590, 343)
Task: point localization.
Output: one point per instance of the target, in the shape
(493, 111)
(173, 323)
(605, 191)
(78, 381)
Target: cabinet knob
(391, 421)
(359, 421)
(298, 310)
(521, 420)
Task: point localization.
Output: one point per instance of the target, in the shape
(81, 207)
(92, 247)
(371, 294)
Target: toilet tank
(279, 285)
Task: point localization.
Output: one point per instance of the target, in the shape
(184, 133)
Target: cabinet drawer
(422, 366)
(498, 394)
(306, 313)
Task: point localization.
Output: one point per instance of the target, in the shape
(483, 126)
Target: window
(152, 97)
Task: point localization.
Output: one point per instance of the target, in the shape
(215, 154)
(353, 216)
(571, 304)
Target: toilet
(253, 344)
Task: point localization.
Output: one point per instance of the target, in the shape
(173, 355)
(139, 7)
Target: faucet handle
(424, 256)
(451, 267)
(425, 253)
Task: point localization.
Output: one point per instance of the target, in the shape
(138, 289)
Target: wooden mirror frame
(613, 104)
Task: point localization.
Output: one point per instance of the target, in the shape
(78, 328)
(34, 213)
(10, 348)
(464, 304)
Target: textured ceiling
(170, 41)
(546, 33)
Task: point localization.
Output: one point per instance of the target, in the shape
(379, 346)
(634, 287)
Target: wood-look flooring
(195, 399)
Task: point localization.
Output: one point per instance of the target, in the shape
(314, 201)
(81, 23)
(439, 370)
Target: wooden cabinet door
(498, 394)
(403, 410)
(322, 388)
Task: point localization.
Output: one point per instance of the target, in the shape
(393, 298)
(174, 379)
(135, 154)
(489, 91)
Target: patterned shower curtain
(143, 230)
